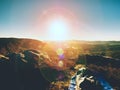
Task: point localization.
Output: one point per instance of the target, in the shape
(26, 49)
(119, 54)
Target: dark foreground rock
(86, 79)
(20, 72)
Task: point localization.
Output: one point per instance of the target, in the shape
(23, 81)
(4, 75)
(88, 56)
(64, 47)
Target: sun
(58, 29)
(57, 24)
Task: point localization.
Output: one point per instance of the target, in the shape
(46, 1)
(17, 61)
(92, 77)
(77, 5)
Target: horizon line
(54, 40)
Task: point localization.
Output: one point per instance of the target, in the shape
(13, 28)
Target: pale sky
(96, 19)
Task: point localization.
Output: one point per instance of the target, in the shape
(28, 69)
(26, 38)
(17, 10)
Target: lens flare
(60, 63)
(60, 51)
(61, 57)
(58, 24)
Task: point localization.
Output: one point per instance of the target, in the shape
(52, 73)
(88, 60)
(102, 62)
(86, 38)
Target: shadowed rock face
(86, 79)
(90, 82)
(19, 72)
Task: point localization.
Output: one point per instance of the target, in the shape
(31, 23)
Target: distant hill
(104, 48)
(8, 45)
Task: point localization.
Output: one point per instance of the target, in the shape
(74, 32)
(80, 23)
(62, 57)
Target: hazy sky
(97, 19)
